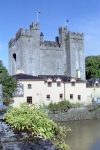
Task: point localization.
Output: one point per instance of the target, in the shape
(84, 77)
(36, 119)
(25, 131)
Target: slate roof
(22, 76)
(93, 80)
(44, 77)
(63, 77)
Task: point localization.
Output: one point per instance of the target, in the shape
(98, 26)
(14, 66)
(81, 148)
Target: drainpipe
(64, 90)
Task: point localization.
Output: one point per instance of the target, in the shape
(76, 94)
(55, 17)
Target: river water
(85, 135)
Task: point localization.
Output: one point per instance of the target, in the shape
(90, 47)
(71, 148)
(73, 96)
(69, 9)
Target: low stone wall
(15, 141)
(81, 113)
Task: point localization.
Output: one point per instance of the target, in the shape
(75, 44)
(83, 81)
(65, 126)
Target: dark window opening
(29, 100)
(58, 84)
(49, 84)
(72, 83)
(97, 84)
(29, 86)
(14, 56)
(79, 97)
(71, 96)
(61, 96)
(48, 97)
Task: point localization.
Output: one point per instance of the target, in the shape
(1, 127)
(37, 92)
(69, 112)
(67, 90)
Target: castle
(29, 52)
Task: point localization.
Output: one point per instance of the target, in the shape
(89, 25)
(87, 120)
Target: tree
(92, 67)
(8, 84)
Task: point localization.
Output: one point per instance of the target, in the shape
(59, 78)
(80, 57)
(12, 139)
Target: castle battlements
(22, 32)
(29, 51)
(34, 26)
(50, 44)
(74, 35)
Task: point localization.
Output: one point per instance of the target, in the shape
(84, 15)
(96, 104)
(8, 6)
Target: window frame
(72, 83)
(71, 96)
(29, 99)
(61, 96)
(79, 97)
(96, 84)
(59, 85)
(49, 84)
(30, 86)
(48, 96)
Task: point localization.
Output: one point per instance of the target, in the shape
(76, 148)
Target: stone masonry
(29, 52)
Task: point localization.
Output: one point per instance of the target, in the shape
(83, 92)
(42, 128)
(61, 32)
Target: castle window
(49, 84)
(29, 86)
(14, 56)
(58, 84)
(72, 83)
(71, 96)
(60, 96)
(79, 97)
(48, 97)
(29, 100)
(58, 65)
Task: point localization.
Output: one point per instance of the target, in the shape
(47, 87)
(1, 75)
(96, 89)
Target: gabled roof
(62, 77)
(93, 80)
(46, 77)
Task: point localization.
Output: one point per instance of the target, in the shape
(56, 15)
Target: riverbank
(81, 113)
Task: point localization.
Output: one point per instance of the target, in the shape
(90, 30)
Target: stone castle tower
(29, 52)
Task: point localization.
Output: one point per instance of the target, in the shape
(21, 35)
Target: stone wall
(37, 57)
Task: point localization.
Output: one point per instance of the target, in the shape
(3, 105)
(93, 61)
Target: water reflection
(85, 135)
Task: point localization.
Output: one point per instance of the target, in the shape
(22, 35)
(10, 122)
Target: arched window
(14, 56)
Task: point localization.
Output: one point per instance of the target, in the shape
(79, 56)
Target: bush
(63, 105)
(74, 105)
(36, 123)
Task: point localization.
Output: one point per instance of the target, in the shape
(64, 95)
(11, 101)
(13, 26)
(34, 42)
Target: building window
(72, 83)
(61, 96)
(58, 84)
(96, 84)
(71, 96)
(49, 84)
(29, 86)
(48, 97)
(79, 97)
(29, 100)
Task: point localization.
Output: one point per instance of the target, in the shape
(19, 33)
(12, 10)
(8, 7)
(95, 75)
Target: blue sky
(83, 15)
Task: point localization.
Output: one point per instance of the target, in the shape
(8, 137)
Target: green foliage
(74, 105)
(8, 84)
(92, 67)
(36, 123)
(63, 105)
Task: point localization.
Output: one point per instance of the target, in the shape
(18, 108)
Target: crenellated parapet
(62, 29)
(21, 32)
(34, 26)
(27, 33)
(74, 35)
(50, 44)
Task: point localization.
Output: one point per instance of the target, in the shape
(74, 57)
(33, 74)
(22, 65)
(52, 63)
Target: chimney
(78, 73)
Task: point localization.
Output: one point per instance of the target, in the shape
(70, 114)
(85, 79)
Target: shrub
(63, 105)
(36, 123)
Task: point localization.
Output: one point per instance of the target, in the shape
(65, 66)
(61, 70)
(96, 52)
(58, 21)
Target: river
(85, 135)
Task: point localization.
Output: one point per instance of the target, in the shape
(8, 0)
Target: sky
(83, 16)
